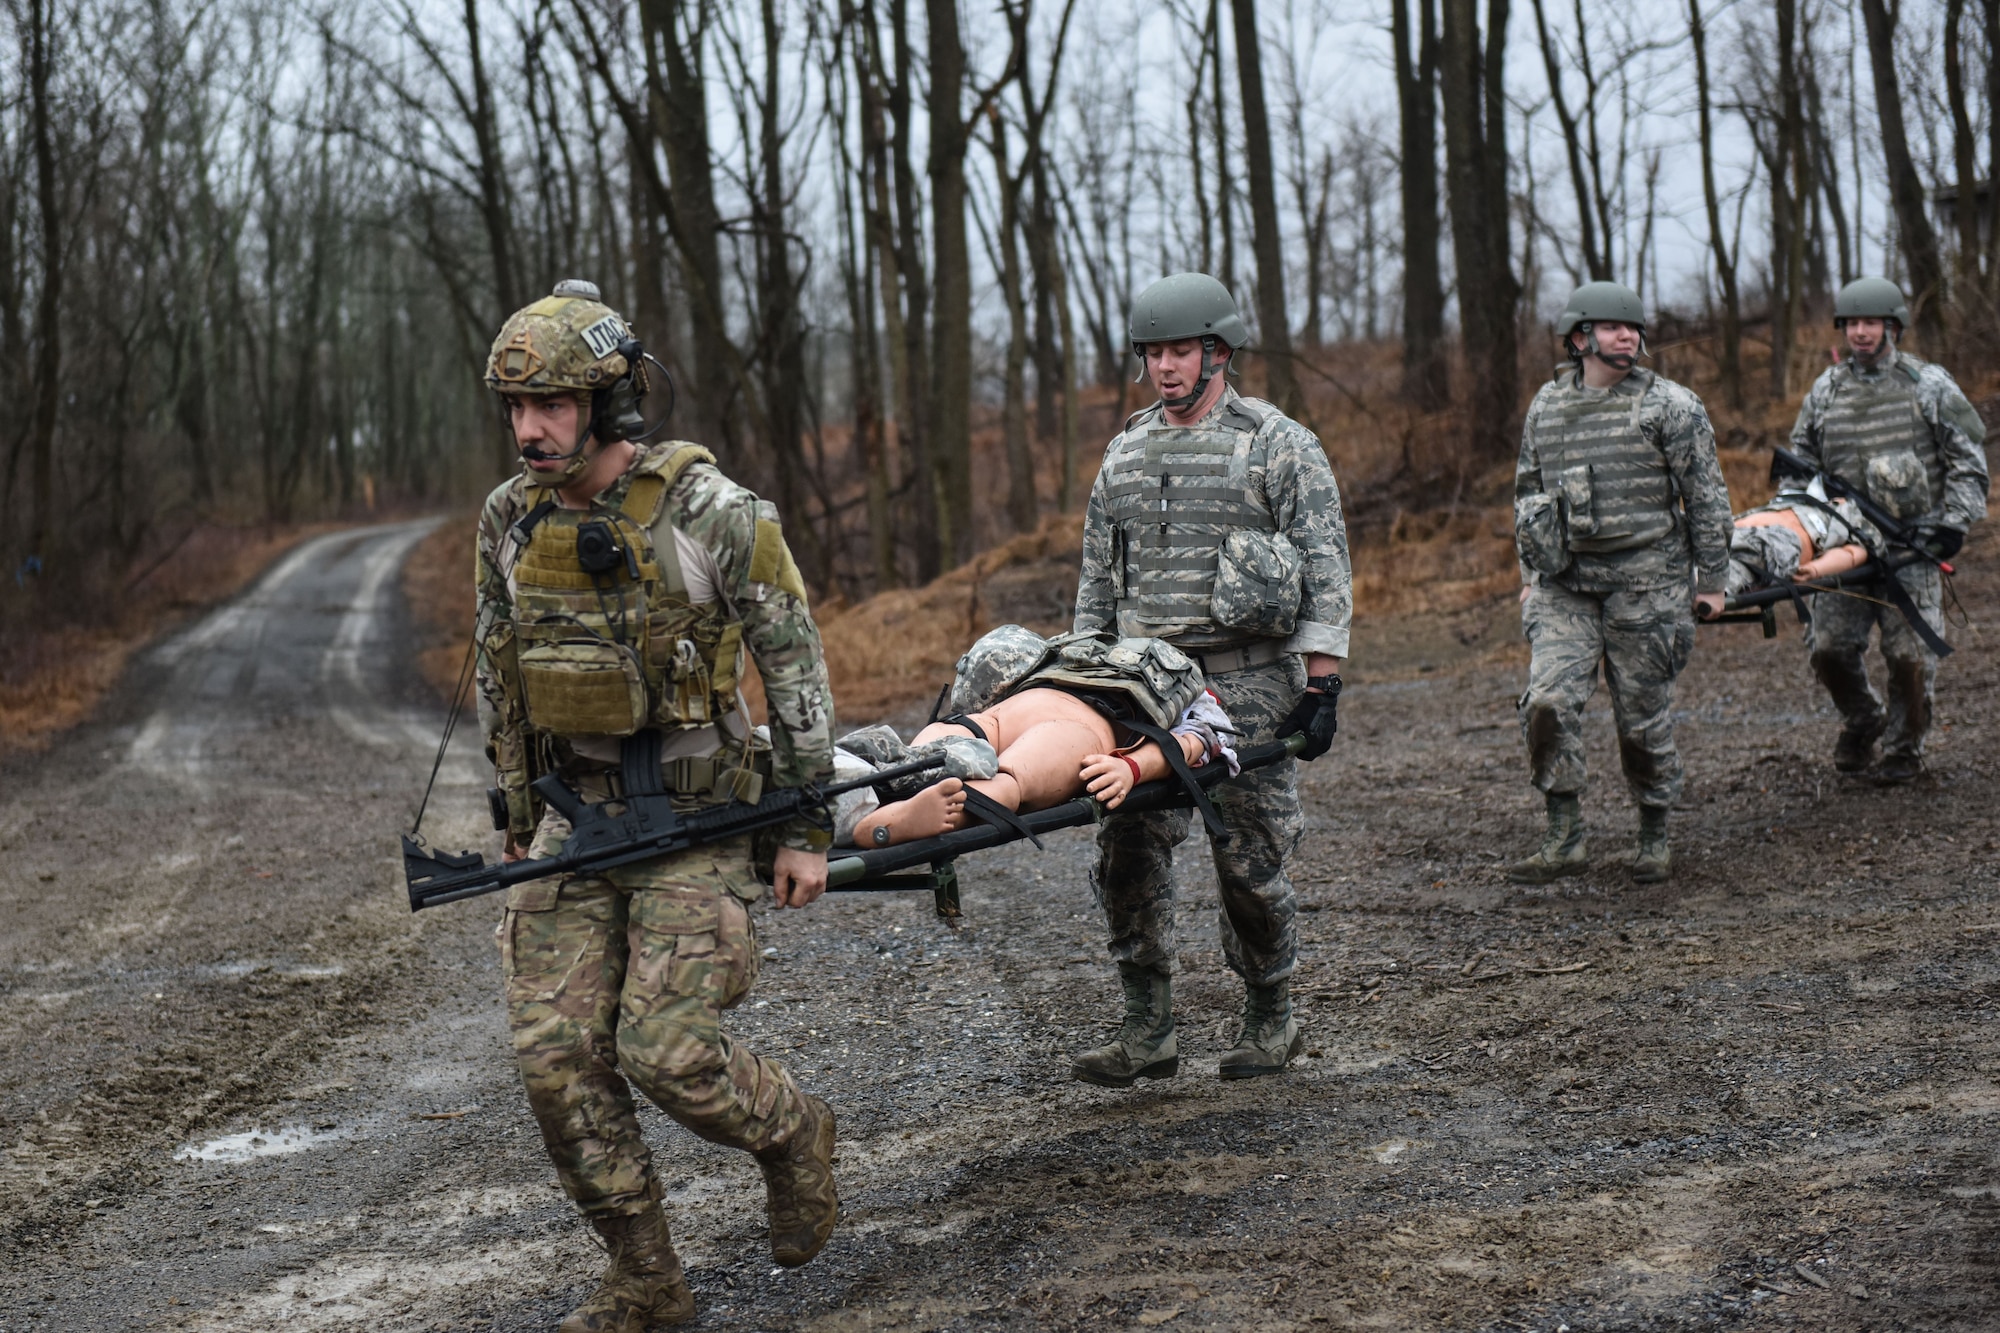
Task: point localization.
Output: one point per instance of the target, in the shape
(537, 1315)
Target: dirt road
(242, 1089)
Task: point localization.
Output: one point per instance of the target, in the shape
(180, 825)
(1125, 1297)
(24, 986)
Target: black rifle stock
(621, 831)
(1896, 530)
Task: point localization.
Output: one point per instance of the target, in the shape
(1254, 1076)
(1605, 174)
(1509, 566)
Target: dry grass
(53, 675)
(437, 585)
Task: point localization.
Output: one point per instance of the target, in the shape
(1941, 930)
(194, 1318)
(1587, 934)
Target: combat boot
(1145, 1046)
(1654, 863)
(1271, 1035)
(798, 1188)
(1897, 769)
(1562, 851)
(1855, 748)
(644, 1288)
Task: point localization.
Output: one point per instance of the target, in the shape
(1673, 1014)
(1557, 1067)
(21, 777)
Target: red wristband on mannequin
(1133, 764)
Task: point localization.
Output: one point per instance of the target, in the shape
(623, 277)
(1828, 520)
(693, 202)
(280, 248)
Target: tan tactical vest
(1875, 438)
(609, 654)
(1173, 495)
(1617, 491)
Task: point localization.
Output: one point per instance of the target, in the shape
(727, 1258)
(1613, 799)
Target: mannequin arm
(1109, 778)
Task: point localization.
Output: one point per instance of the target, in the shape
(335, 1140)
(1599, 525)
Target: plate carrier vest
(1173, 495)
(610, 654)
(1619, 493)
(1875, 438)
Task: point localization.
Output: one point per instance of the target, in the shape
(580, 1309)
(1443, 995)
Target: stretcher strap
(1177, 761)
(989, 811)
(1899, 597)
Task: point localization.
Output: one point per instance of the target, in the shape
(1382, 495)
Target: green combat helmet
(1870, 298)
(1611, 302)
(571, 342)
(1187, 305)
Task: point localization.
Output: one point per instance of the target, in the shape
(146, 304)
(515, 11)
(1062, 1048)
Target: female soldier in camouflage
(1622, 521)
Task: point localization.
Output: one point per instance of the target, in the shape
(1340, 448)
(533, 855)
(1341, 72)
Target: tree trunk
(48, 307)
(1964, 158)
(951, 336)
(1594, 260)
(679, 113)
(1224, 189)
(1023, 509)
(1906, 188)
(1274, 325)
(1426, 382)
(1476, 176)
(1730, 355)
(917, 428)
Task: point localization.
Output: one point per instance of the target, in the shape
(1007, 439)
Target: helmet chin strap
(1209, 365)
(1620, 361)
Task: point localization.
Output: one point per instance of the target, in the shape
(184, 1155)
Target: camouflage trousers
(1134, 881)
(620, 980)
(1838, 638)
(1642, 640)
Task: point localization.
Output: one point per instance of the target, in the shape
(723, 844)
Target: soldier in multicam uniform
(1214, 524)
(1622, 521)
(619, 584)
(1900, 431)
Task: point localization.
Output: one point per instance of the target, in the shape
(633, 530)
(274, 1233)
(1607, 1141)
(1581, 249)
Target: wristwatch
(1324, 684)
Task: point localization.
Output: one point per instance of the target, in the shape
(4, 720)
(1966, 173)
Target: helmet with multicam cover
(571, 342)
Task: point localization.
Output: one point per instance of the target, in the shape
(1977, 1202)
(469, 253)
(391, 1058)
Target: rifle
(635, 827)
(1785, 462)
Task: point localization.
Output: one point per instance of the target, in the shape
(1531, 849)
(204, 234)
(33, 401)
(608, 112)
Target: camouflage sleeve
(1528, 472)
(1096, 602)
(1961, 441)
(1305, 498)
(760, 579)
(1812, 412)
(502, 714)
(1688, 441)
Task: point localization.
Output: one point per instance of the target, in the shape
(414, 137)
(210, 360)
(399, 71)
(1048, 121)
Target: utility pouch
(1258, 579)
(1897, 481)
(584, 687)
(1116, 558)
(1579, 510)
(1540, 534)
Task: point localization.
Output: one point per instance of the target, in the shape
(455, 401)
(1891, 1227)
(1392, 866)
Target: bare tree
(1425, 369)
(1730, 354)
(1906, 188)
(1273, 324)
(1472, 68)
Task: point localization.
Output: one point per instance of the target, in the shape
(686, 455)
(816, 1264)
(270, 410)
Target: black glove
(1316, 718)
(1937, 541)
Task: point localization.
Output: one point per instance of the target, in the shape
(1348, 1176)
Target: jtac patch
(604, 336)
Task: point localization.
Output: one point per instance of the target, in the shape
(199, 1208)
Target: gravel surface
(242, 1088)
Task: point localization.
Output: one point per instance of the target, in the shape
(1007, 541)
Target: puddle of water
(255, 1143)
(1390, 1150)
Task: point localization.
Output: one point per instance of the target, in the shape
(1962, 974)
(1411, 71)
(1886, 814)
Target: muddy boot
(1562, 851)
(1145, 1047)
(644, 1288)
(1897, 769)
(1271, 1035)
(798, 1188)
(1654, 863)
(1855, 748)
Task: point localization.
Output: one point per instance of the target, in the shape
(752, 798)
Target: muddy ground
(1761, 1095)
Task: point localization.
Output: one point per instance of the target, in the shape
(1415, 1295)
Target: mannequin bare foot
(938, 808)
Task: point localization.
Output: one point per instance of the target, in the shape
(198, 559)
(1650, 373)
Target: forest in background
(252, 252)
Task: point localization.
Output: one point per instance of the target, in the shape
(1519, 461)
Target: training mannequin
(1052, 745)
(1795, 539)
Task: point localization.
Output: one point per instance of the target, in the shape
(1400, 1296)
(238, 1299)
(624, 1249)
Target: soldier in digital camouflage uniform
(619, 583)
(1215, 524)
(1899, 430)
(1622, 521)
